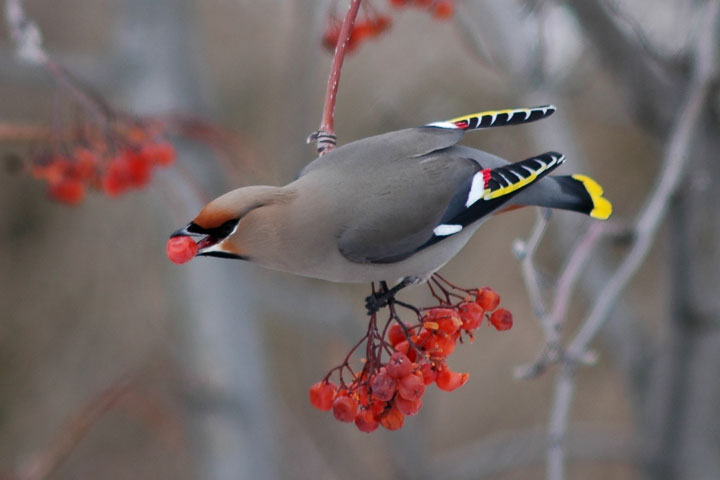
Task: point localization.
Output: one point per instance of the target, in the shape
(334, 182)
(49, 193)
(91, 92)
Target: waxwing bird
(396, 206)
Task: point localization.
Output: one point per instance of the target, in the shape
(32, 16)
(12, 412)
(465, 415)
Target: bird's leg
(382, 298)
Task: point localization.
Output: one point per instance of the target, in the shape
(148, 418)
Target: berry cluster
(370, 23)
(402, 359)
(440, 9)
(112, 171)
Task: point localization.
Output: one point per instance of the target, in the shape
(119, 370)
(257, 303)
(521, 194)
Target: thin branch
(325, 137)
(677, 156)
(525, 251)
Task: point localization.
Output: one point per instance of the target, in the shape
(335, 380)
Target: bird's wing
(424, 201)
(417, 142)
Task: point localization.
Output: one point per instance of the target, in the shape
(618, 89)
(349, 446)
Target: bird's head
(220, 229)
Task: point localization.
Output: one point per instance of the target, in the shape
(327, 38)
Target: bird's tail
(496, 118)
(578, 193)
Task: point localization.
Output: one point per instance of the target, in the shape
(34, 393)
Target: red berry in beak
(181, 249)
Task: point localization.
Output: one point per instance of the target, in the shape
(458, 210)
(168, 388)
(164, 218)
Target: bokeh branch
(676, 158)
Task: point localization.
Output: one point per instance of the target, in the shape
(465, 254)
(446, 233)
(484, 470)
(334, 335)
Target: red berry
(139, 169)
(383, 386)
(502, 319)
(181, 249)
(398, 3)
(399, 365)
(381, 23)
(68, 191)
(428, 371)
(366, 421)
(331, 35)
(396, 334)
(392, 419)
(449, 381)
(403, 347)
(411, 387)
(443, 9)
(408, 407)
(86, 162)
(471, 314)
(344, 408)
(116, 179)
(449, 322)
(322, 394)
(162, 153)
(488, 299)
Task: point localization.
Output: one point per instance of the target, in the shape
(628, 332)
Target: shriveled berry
(448, 380)
(322, 394)
(181, 249)
(393, 419)
(383, 386)
(366, 421)
(502, 319)
(399, 365)
(471, 314)
(488, 299)
(412, 386)
(344, 408)
(408, 407)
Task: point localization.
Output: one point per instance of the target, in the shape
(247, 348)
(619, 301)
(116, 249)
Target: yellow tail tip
(602, 208)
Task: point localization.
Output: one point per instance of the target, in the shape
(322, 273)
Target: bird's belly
(337, 268)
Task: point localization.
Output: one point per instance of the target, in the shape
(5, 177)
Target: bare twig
(552, 322)
(677, 156)
(525, 251)
(325, 137)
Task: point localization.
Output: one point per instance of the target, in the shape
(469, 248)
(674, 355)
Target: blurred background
(202, 371)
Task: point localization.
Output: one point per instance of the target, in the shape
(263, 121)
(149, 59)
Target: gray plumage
(388, 207)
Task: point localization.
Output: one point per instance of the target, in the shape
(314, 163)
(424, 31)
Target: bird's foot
(378, 300)
(386, 296)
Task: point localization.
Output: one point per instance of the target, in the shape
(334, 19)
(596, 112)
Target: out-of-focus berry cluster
(402, 359)
(124, 159)
(370, 23)
(440, 9)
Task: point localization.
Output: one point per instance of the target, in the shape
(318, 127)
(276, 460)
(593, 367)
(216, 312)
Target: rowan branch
(325, 137)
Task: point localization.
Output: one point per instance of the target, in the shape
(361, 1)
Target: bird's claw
(375, 302)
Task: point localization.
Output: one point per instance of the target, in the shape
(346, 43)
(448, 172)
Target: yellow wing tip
(602, 208)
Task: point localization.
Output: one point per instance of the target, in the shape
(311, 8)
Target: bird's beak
(209, 244)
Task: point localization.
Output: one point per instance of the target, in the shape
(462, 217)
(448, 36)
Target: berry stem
(325, 137)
